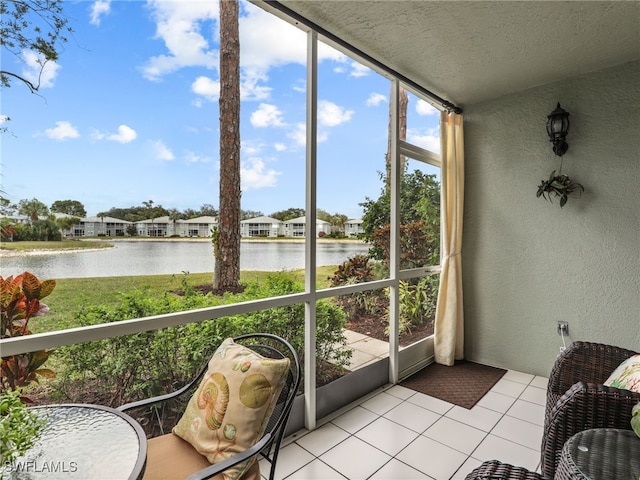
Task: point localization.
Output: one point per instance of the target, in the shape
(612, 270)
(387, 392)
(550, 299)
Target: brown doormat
(463, 384)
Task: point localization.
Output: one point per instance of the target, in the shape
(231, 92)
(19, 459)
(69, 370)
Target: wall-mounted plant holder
(559, 186)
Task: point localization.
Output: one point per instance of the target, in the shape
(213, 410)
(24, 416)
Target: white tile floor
(400, 434)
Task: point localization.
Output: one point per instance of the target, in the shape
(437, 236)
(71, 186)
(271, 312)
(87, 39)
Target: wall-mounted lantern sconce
(557, 128)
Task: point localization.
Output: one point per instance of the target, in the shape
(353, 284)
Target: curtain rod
(447, 105)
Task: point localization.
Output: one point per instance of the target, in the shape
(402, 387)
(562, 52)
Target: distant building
(353, 227)
(296, 227)
(100, 226)
(197, 227)
(260, 227)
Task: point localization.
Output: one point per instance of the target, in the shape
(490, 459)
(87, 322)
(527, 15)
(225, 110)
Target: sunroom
(513, 265)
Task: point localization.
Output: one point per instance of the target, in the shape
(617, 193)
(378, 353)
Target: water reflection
(157, 258)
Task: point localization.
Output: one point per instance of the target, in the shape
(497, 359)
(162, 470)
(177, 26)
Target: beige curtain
(449, 321)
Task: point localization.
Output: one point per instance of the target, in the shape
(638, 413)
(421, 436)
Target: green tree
(37, 231)
(288, 214)
(6, 207)
(207, 210)
(7, 229)
(70, 207)
(31, 25)
(419, 202)
(33, 209)
(227, 246)
(65, 223)
(337, 220)
(245, 214)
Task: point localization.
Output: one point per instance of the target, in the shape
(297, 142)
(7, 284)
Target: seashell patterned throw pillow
(231, 408)
(627, 375)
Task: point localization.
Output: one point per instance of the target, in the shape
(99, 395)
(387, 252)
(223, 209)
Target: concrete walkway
(366, 350)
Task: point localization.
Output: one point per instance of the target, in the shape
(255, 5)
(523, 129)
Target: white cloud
(249, 88)
(39, 71)
(62, 131)
(179, 25)
(359, 70)
(425, 108)
(162, 152)
(331, 115)
(204, 86)
(125, 135)
(191, 157)
(266, 41)
(249, 148)
(254, 175)
(300, 85)
(429, 140)
(376, 99)
(267, 116)
(280, 147)
(98, 9)
(299, 135)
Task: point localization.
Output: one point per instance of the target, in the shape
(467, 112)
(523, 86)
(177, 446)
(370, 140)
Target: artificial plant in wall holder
(559, 185)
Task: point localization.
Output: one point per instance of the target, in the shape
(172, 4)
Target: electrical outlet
(563, 328)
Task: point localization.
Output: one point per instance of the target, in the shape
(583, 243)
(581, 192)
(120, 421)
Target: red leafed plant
(20, 301)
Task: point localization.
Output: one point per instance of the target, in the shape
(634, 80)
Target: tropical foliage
(19, 426)
(417, 302)
(559, 186)
(358, 269)
(19, 302)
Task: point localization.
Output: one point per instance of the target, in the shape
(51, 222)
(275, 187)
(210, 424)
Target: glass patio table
(600, 454)
(84, 442)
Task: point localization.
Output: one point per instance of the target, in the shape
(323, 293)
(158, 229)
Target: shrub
(20, 301)
(418, 244)
(123, 369)
(417, 303)
(357, 269)
(19, 427)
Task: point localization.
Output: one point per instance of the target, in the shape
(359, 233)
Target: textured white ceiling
(471, 51)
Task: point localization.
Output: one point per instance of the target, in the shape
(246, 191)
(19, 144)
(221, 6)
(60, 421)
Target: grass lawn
(71, 294)
(61, 245)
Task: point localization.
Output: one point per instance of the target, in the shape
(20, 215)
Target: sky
(129, 113)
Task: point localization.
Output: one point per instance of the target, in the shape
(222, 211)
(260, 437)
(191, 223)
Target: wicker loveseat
(577, 400)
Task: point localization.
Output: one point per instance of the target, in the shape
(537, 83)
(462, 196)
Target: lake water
(163, 257)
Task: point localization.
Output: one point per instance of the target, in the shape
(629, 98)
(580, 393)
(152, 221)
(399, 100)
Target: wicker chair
(495, 470)
(577, 400)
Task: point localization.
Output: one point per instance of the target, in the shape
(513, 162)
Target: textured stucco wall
(528, 263)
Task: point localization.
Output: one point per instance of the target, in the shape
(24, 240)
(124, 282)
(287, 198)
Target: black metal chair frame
(269, 444)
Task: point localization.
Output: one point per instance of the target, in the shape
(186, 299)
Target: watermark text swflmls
(41, 466)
